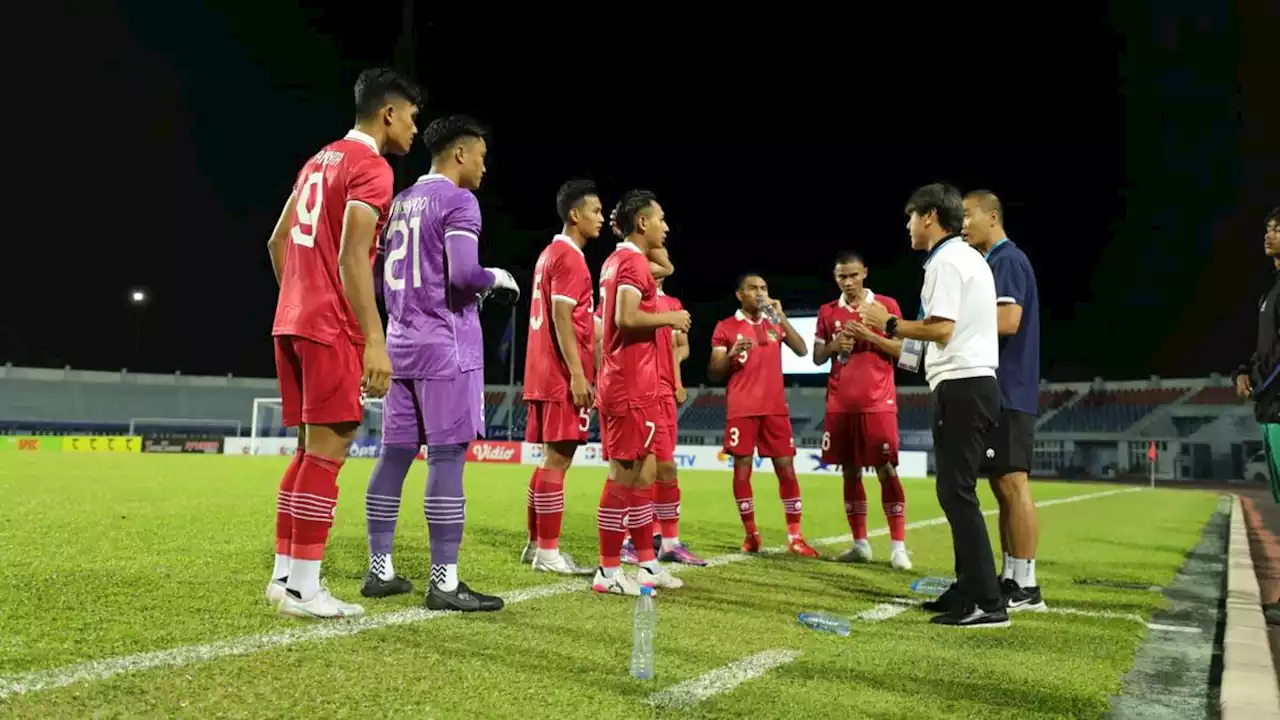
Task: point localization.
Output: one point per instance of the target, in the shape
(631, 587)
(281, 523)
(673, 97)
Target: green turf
(109, 555)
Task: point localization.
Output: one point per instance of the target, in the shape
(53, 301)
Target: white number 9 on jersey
(306, 210)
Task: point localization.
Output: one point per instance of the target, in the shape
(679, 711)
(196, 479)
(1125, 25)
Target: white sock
(610, 571)
(381, 566)
(651, 566)
(551, 555)
(1007, 574)
(1024, 572)
(896, 545)
(670, 543)
(282, 566)
(445, 577)
(304, 578)
(862, 542)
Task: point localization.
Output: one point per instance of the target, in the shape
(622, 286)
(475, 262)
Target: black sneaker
(972, 616)
(1020, 599)
(375, 587)
(946, 602)
(462, 599)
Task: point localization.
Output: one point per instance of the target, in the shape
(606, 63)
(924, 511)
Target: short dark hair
(742, 279)
(629, 207)
(943, 198)
(1273, 216)
(571, 195)
(848, 256)
(988, 201)
(443, 133)
(376, 86)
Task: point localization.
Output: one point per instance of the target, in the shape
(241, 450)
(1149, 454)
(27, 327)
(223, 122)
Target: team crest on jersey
(773, 335)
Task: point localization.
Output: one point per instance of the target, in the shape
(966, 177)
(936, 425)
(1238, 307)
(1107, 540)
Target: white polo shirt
(958, 286)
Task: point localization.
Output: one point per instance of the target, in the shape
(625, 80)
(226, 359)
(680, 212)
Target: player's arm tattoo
(278, 242)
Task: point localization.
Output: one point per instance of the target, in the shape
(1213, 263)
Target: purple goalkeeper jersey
(431, 278)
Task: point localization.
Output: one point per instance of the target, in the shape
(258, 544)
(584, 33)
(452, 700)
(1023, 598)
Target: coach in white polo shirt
(957, 334)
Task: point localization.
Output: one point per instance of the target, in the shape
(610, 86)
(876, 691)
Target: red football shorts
(865, 440)
(319, 384)
(767, 435)
(552, 421)
(629, 435)
(664, 441)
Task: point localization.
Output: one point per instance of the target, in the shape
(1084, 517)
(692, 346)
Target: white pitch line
(721, 680)
(95, 670)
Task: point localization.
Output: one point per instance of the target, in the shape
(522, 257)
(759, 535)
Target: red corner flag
(1151, 451)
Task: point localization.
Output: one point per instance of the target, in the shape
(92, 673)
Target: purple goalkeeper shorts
(434, 412)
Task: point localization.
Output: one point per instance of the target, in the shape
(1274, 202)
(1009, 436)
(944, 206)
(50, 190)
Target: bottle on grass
(644, 625)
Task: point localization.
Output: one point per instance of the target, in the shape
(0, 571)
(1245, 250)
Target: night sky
(1129, 146)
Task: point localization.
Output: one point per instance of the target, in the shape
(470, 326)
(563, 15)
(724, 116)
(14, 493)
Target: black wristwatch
(891, 327)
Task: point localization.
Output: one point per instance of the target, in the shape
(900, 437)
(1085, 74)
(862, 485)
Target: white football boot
(900, 559)
(324, 606)
(661, 579)
(620, 584)
(860, 552)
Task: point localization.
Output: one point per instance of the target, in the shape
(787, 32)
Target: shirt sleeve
(371, 184)
(1011, 282)
(942, 290)
(722, 338)
(462, 217)
(569, 280)
(462, 246)
(634, 274)
(822, 330)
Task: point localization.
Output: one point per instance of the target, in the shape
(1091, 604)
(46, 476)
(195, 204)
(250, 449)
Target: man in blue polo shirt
(1011, 443)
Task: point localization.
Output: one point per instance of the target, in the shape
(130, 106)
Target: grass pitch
(131, 585)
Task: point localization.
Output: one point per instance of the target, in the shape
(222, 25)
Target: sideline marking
(721, 680)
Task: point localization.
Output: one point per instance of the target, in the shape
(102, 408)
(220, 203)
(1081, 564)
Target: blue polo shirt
(1019, 371)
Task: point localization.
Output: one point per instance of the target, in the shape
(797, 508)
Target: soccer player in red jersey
(560, 369)
(628, 397)
(673, 349)
(329, 344)
(861, 425)
(747, 349)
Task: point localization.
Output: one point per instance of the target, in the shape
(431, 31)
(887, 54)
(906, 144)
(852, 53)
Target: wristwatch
(891, 327)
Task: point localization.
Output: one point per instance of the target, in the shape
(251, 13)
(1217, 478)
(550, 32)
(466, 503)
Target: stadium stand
(1096, 429)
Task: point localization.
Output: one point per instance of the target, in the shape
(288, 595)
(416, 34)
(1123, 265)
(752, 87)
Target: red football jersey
(666, 344)
(561, 275)
(312, 303)
(629, 371)
(865, 384)
(755, 377)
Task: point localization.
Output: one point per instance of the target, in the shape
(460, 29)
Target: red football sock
(667, 503)
(894, 501)
(284, 505)
(614, 501)
(640, 521)
(531, 513)
(855, 502)
(742, 495)
(548, 499)
(789, 491)
(315, 498)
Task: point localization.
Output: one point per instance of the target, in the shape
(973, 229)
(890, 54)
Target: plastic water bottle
(646, 621)
(825, 623)
(932, 585)
(769, 311)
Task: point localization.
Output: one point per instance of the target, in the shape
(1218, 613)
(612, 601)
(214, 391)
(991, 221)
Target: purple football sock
(444, 505)
(382, 499)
